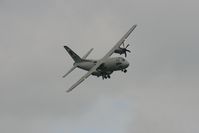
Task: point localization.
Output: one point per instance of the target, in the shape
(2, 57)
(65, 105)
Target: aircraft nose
(127, 64)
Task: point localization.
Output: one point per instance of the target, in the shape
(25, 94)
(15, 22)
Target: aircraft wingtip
(68, 91)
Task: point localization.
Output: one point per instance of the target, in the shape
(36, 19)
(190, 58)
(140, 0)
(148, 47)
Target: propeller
(125, 50)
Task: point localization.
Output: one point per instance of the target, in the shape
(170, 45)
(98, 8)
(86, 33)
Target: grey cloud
(158, 94)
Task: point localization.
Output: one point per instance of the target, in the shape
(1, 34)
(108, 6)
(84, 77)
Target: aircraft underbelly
(111, 67)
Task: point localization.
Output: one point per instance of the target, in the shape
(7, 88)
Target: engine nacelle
(119, 51)
(122, 50)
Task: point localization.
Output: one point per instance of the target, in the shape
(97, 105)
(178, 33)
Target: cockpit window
(118, 63)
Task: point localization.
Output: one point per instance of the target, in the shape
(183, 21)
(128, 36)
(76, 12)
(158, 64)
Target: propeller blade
(128, 50)
(125, 54)
(127, 45)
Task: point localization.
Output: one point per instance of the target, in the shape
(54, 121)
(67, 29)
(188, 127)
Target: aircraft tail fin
(75, 57)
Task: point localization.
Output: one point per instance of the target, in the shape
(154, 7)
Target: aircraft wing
(85, 76)
(93, 69)
(120, 42)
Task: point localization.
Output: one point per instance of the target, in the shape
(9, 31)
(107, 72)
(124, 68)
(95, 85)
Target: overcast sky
(158, 94)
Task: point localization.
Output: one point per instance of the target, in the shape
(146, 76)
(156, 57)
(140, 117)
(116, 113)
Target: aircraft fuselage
(110, 65)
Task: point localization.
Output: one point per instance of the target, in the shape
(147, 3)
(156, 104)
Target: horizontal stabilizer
(86, 55)
(69, 71)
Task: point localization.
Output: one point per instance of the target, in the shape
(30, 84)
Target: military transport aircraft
(103, 67)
